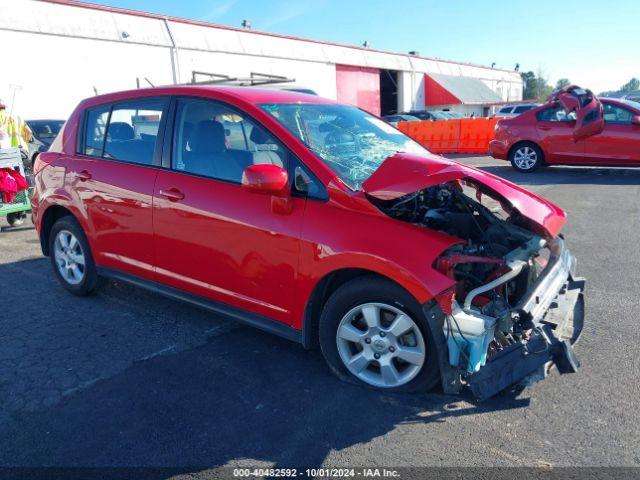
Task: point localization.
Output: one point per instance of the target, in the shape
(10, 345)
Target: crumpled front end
(514, 306)
(491, 350)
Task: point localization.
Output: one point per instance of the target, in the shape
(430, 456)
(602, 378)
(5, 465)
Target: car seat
(266, 150)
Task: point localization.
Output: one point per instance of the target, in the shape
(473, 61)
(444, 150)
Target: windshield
(350, 141)
(631, 103)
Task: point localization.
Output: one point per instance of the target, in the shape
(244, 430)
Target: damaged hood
(403, 173)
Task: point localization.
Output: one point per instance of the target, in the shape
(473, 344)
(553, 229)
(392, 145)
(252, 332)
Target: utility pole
(14, 89)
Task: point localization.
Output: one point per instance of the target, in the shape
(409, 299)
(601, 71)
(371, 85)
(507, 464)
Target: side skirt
(258, 321)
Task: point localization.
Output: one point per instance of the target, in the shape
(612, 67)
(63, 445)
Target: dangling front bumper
(553, 308)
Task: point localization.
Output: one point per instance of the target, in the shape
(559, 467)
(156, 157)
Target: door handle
(84, 175)
(172, 194)
(544, 127)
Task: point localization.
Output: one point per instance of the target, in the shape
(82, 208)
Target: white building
(67, 50)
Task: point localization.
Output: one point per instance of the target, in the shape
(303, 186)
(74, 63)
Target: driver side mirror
(635, 120)
(267, 179)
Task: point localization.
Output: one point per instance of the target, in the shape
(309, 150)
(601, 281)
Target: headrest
(259, 136)
(120, 131)
(208, 137)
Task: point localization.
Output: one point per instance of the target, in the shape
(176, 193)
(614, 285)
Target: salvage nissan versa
(318, 222)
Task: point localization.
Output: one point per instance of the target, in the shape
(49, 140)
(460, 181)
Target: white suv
(510, 111)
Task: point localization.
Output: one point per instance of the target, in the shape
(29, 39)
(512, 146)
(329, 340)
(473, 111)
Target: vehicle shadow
(244, 397)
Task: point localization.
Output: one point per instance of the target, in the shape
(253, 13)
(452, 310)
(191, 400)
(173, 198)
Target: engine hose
(516, 267)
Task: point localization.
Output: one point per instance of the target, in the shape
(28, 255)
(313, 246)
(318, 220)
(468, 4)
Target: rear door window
(133, 130)
(125, 131)
(505, 110)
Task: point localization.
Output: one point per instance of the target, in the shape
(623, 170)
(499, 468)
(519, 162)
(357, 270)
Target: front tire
(373, 333)
(526, 157)
(71, 257)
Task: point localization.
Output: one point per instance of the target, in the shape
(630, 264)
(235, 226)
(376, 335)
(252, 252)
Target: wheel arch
(321, 292)
(49, 218)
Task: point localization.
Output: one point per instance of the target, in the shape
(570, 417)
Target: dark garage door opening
(388, 92)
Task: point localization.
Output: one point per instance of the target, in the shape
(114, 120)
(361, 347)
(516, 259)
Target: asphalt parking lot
(127, 378)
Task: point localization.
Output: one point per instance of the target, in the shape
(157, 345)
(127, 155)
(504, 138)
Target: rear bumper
(498, 149)
(553, 310)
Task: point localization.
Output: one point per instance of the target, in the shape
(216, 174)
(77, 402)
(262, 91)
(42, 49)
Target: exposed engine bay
(489, 235)
(496, 267)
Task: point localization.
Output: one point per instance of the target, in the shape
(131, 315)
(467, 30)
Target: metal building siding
(359, 86)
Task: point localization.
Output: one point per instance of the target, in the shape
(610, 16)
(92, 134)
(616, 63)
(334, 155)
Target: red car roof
(253, 95)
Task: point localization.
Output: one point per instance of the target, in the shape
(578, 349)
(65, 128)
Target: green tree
(631, 85)
(561, 83)
(535, 86)
(529, 85)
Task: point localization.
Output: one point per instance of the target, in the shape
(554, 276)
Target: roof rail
(253, 80)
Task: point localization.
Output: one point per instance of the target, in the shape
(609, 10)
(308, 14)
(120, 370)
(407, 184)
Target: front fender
(399, 251)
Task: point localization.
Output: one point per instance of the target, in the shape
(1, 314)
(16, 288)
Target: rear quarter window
(96, 120)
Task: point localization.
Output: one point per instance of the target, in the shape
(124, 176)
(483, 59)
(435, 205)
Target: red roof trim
(125, 11)
(436, 95)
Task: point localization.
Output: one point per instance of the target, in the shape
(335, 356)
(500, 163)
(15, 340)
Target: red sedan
(574, 128)
(314, 221)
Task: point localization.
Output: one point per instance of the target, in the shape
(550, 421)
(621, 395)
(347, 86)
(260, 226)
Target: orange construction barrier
(475, 135)
(466, 135)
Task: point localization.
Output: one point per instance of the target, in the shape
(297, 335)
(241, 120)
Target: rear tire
(373, 333)
(71, 257)
(526, 157)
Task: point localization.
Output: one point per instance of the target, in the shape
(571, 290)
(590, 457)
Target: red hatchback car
(589, 131)
(318, 222)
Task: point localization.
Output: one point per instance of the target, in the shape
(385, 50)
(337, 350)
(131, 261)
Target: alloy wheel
(381, 345)
(525, 158)
(69, 257)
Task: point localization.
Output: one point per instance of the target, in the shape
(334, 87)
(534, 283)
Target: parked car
(287, 88)
(596, 132)
(44, 133)
(425, 115)
(315, 221)
(394, 119)
(454, 114)
(510, 111)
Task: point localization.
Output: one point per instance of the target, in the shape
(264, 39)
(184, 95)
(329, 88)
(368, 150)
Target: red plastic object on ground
(11, 182)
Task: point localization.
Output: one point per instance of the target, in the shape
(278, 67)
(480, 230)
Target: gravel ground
(128, 378)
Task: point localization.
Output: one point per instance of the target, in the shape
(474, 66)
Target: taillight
(445, 300)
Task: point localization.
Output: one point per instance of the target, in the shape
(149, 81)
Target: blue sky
(593, 43)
